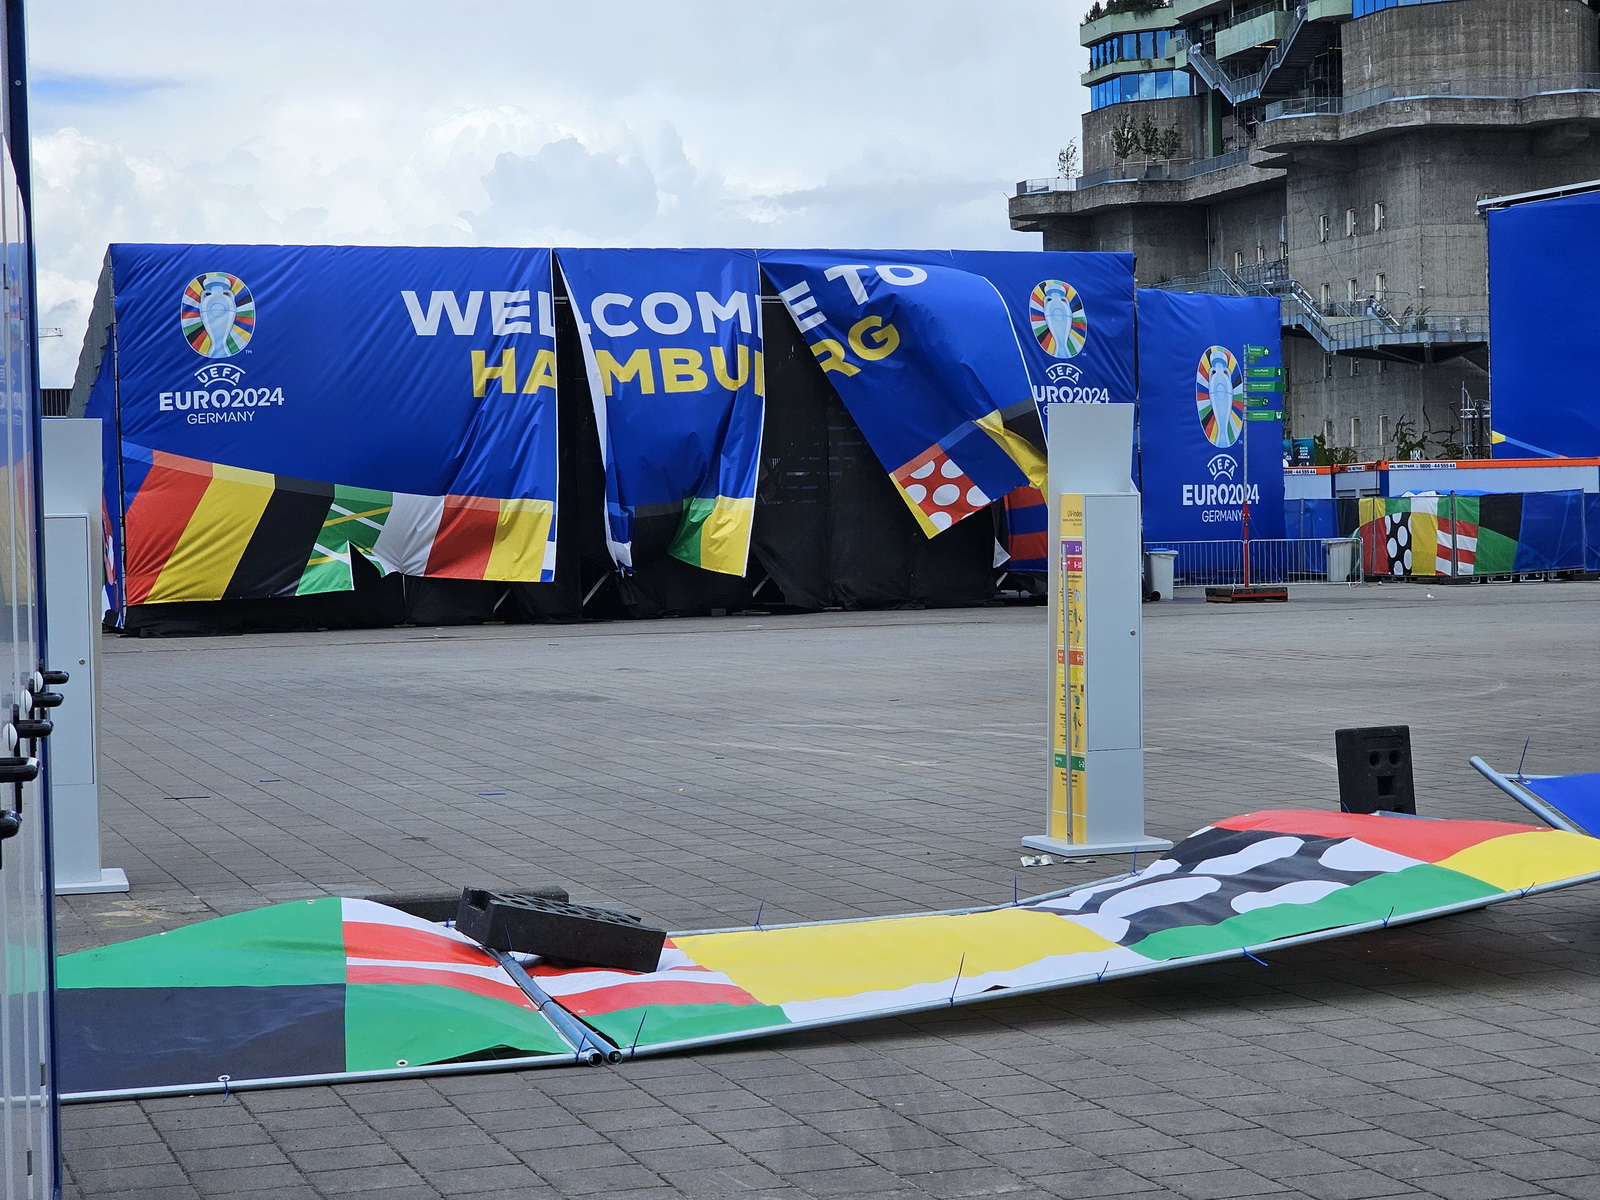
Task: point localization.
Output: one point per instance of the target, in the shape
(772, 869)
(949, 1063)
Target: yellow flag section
(1246, 884)
(900, 962)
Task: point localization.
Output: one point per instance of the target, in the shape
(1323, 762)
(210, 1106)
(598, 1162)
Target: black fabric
(1501, 514)
(113, 1038)
(274, 560)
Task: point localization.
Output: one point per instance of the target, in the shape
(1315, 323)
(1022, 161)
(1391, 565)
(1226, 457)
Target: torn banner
(672, 342)
(924, 355)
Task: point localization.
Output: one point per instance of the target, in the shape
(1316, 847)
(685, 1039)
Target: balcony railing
(1457, 89)
(1172, 169)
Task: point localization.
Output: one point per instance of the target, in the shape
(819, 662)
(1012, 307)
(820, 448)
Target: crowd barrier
(1270, 560)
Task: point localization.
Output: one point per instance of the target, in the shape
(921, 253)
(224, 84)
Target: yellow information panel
(1068, 782)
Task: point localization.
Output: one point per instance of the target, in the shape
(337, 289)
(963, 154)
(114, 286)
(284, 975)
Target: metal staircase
(1362, 328)
(1284, 69)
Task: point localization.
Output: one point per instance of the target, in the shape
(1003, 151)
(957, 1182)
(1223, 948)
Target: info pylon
(1095, 789)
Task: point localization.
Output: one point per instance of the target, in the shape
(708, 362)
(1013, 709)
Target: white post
(1095, 798)
(71, 476)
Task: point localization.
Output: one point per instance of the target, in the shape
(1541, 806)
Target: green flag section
(1413, 889)
(354, 521)
(318, 988)
(330, 988)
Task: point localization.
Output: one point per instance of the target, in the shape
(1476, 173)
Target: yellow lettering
(831, 355)
(761, 375)
(883, 344)
(719, 367)
(680, 371)
(543, 374)
(506, 372)
(637, 366)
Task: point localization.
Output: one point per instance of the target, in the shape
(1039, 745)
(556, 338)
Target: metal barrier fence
(1271, 560)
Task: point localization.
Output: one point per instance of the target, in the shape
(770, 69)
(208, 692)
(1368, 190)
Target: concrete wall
(1377, 396)
(1241, 224)
(1469, 39)
(1168, 239)
(1184, 112)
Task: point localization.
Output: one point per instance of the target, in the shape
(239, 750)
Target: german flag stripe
(157, 518)
(208, 551)
(274, 558)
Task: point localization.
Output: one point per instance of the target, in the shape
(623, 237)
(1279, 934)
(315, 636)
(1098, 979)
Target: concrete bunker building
(1331, 153)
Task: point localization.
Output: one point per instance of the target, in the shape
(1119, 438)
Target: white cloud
(702, 122)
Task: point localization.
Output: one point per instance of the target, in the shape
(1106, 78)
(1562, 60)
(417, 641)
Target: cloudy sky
(667, 123)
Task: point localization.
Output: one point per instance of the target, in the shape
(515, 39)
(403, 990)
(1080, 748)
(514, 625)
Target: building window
(1349, 222)
(1283, 251)
(1355, 369)
(1140, 85)
(1323, 225)
(1383, 369)
(1377, 285)
(1325, 294)
(1350, 287)
(1379, 219)
(1238, 261)
(1327, 362)
(1355, 428)
(1261, 253)
(1327, 431)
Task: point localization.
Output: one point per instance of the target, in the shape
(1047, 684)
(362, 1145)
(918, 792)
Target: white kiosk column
(1095, 801)
(70, 458)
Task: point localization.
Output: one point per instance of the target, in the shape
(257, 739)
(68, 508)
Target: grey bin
(1158, 568)
(1344, 559)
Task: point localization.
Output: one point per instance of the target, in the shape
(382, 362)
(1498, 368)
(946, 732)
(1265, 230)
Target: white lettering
(505, 308)
(547, 315)
(166, 402)
(597, 311)
(852, 277)
(904, 276)
(711, 312)
(650, 309)
(463, 321)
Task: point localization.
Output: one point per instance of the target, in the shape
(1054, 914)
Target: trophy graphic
(217, 313)
(1058, 315)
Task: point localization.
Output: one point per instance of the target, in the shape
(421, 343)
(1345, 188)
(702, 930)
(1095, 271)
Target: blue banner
(672, 341)
(270, 407)
(1073, 316)
(1544, 257)
(1211, 384)
(924, 355)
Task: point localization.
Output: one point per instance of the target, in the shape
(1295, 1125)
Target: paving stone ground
(849, 764)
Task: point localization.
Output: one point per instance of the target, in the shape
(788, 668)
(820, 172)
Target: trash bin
(1344, 559)
(1158, 568)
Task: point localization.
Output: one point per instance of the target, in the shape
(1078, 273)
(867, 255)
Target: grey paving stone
(821, 775)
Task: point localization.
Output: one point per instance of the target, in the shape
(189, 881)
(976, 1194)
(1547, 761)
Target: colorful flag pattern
(314, 987)
(206, 531)
(327, 987)
(1027, 530)
(1430, 535)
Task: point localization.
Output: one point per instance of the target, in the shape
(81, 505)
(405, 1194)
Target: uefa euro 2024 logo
(1055, 310)
(1219, 396)
(219, 314)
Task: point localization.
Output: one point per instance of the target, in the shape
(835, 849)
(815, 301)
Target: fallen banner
(318, 990)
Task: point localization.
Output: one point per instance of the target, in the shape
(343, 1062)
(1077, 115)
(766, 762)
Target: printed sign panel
(279, 407)
(1207, 396)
